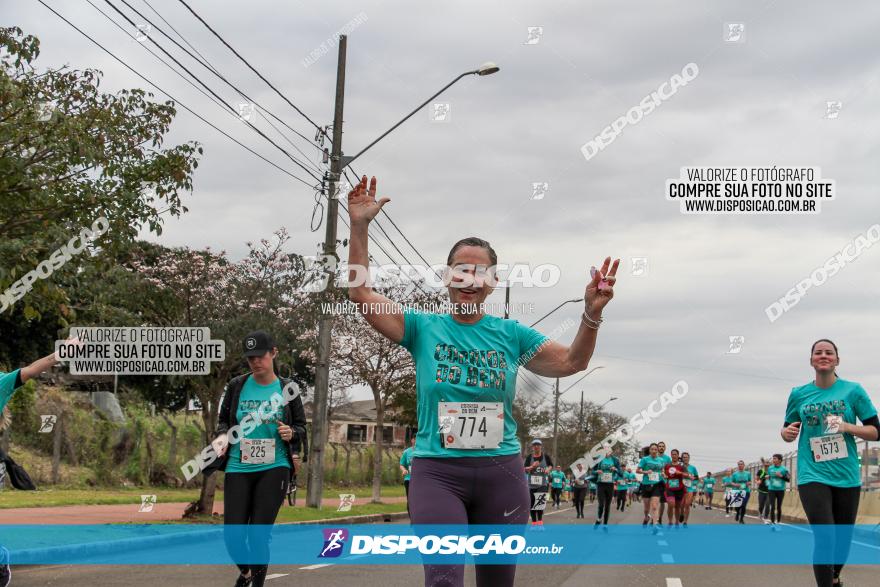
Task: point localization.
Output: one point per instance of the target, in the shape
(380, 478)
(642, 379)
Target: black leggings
(824, 504)
(621, 499)
(776, 497)
(606, 493)
(250, 505)
(764, 504)
(556, 494)
(579, 494)
(469, 490)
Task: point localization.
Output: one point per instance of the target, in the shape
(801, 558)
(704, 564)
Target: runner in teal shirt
(824, 413)
(253, 396)
(810, 405)
(741, 481)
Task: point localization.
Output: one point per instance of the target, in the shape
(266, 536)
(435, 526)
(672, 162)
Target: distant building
(355, 423)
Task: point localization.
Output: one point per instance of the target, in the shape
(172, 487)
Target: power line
(251, 67)
(175, 100)
(203, 61)
(212, 92)
(282, 96)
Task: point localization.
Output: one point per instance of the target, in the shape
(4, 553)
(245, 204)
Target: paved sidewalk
(114, 514)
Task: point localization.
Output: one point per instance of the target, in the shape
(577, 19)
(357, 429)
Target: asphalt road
(329, 575)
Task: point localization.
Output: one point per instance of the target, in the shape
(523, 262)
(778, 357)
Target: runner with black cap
(259, 454)
(537, 467)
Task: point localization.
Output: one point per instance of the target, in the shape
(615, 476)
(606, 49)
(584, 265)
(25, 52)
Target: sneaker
(244, 581)
(596, 525)
(5, 569)
(726, 515)
(685, 525)
(766, 521)
(742, 521)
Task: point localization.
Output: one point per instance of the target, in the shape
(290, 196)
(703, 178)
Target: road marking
(558, 511)
(276, 576)
(673, 582)
(313, 567)
(667, 558)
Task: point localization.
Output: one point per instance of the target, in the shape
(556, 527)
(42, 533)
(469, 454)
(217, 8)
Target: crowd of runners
(466, 367)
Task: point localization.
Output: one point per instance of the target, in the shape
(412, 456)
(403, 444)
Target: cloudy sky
(761, 101)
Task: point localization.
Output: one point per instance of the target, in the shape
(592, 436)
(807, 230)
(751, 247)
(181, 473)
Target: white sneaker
(726, 515)
(766, 521)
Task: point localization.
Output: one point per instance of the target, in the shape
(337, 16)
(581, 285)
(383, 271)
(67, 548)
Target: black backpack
(17, 476)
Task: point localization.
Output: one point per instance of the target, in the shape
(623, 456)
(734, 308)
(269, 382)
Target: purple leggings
(469, 490)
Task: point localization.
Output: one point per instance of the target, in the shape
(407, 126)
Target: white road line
(667, 558)
(557, 511)
(673, 582)
(313, 567)
(276, 576)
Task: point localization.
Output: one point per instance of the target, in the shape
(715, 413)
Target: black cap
(257, 344)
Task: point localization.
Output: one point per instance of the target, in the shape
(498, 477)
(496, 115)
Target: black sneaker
(244, 581)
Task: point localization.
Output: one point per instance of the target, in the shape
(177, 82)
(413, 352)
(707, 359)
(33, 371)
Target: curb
(90, 549)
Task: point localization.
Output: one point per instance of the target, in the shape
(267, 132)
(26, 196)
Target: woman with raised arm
(466, 463)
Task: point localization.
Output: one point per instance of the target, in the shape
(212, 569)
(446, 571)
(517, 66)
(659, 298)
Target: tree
(362, 355)
(262, 291)
(70, 154)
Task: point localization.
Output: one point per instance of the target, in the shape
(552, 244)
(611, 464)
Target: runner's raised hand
(362, 204)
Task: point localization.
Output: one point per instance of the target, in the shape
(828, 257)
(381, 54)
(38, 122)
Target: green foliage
(70, 154)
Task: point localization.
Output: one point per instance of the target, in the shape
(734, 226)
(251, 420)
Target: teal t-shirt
(725, 482)
(809, 405)
(606, 465)
(458, 362)
(775, 483)
(556, 479)
(691, 484)
(650, 463)
(406, 461)
(741, 480)
(593, 486)
(7, 386)
(249, 401)
(709, 484)
(631, 477)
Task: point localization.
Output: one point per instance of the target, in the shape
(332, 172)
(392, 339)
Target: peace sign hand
(600, 290)
(362, 204)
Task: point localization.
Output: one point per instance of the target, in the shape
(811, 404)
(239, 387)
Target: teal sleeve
(7, 386)
(792, 414)
(862, 406)
(529, 341)
(411, 320)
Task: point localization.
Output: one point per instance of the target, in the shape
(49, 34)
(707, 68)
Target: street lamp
(487, 68)
(556, 308)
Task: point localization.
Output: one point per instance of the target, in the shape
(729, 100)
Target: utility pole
(555, 420)
(581, 419)
(325, 324)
